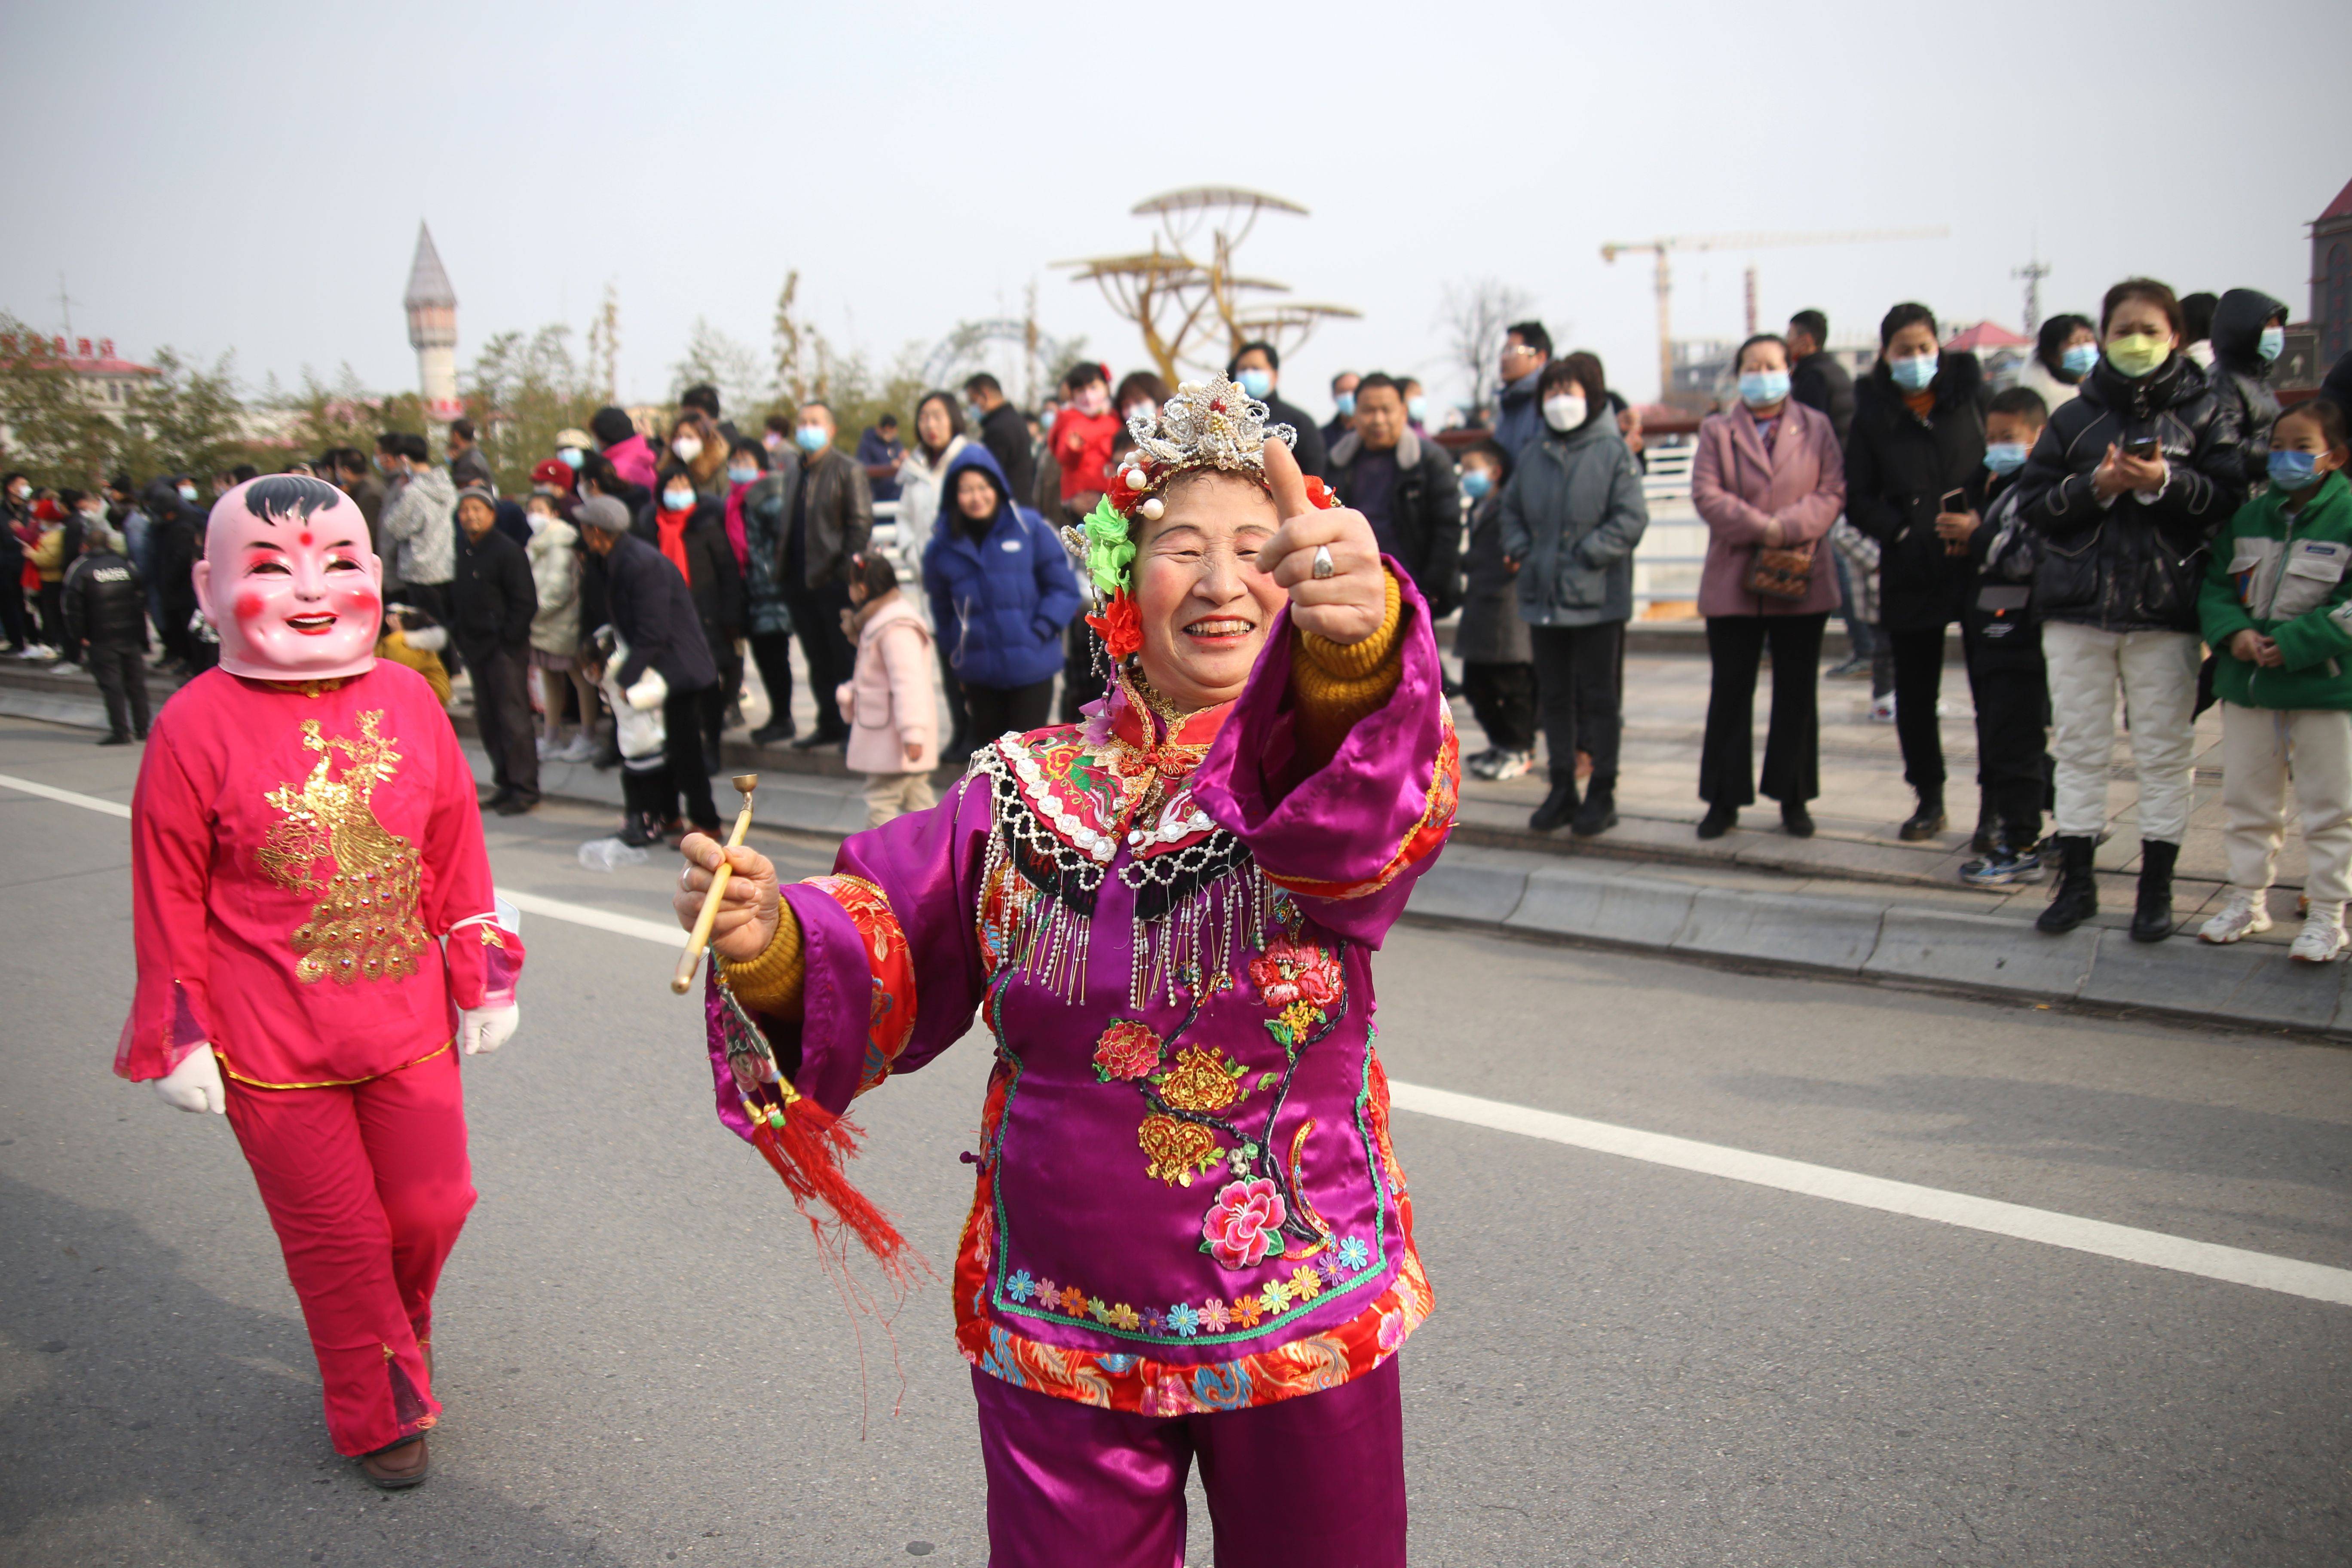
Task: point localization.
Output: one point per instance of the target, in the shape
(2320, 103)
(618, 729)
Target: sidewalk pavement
(1853, 900)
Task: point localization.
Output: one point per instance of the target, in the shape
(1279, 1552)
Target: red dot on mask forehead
(306, 536)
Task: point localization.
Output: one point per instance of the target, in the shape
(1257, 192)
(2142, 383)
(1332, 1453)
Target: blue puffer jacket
(998, 605)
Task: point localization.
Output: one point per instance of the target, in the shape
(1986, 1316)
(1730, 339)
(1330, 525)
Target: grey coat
(1572, 516)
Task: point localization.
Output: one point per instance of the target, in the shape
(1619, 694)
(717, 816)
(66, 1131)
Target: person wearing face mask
(2007, 681)
(56, 539)
(492, 602)
(573, 446)
(767, 618)
(1080, 442)
(1498, 671)
(15, 497)
(1914, 483)
(1416, 406)
(106, 615)
(938, 439)
(828, 516)
(2064, 350)
(2126, 487)
(1768, 482)
(1572, 516)
(689, 529)
(1001, 591)
(1343, 402)
(2272, 607)
(2249, 335)
(697, 449)
(1257, 366)
(703, 398)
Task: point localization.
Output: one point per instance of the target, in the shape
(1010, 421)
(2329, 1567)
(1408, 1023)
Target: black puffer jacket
(491, 596)
(1424, 511)
(2131, 566)
(1898, 468)
(713, 580)
(178, 542)
(105, 605)
(2240, 377)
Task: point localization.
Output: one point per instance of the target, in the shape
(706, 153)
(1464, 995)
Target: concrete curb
(1551, 898)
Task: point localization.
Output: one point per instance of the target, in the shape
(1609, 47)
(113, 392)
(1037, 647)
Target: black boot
(1795, 820)
(1559, 805)
(2075, 899)
(1925, 823)
(2152, 917)
(1598, 814)
(1718, 820)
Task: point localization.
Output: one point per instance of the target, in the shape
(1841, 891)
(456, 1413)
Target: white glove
(481, 1029)
(194, 1084)
(650, 692)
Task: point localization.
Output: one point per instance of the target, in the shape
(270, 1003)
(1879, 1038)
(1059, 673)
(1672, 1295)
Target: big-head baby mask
(290, 581)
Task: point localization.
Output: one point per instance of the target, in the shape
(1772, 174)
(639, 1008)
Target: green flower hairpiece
(1109, 552)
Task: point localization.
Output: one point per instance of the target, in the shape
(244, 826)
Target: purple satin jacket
(1186, 1200)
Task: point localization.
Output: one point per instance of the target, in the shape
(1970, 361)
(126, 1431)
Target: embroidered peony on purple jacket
(1186, 1198)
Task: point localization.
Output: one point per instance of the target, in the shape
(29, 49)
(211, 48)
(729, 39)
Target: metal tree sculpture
(1182, 288)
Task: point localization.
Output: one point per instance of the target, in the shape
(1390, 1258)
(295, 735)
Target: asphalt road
(1630, 1365)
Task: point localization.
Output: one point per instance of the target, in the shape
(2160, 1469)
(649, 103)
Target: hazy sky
(250, 177)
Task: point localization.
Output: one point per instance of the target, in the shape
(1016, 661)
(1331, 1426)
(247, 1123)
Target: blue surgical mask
(1256, 382)
(2296, 471)
(1346, 403)
(573, 457)
(744, 475)
(811, 438)
(1417, 410)
(1763, 388)
(1476, 482)
(188, 493)
(2271, 344)
(679, 500)
(2082, 359)
(2006, 457)
(1913, 374)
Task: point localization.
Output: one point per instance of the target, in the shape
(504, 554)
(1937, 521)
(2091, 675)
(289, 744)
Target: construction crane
(1665, 282)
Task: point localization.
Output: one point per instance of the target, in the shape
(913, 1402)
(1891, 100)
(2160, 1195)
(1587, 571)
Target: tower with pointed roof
(2331, 278)
(432, 328)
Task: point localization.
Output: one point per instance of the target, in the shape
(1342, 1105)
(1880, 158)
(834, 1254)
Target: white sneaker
(2322, 940)
(2243, 916)
(1882, 709)
(1511, 765)
(582, 749)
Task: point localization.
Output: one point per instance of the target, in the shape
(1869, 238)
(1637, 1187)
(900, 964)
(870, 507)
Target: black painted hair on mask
(289, 496)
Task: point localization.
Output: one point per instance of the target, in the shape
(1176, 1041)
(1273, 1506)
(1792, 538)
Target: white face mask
(688, 448)
(1143, 408)
(1564, 411)
(679, 500)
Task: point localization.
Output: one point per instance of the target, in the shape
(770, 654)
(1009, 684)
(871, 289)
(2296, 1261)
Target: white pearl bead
(1151, 509)
(1135, 479)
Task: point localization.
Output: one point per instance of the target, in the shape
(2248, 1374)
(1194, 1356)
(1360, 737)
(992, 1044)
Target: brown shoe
(398, 1467)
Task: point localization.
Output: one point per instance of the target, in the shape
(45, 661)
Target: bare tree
(1475, 315)
(717, 359)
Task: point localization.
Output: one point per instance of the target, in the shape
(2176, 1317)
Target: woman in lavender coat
(1767, 475)
(1189, 1234)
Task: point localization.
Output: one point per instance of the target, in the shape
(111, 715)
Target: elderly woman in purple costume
(1188, 1237)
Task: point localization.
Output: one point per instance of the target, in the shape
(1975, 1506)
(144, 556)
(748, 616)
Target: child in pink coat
(892, 707)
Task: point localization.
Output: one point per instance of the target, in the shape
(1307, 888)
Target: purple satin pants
(1318, 1478)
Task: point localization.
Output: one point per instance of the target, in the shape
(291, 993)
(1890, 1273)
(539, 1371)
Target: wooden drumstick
(692, 959)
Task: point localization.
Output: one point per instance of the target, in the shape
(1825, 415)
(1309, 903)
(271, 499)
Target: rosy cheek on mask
(248, 608)
(358, 596)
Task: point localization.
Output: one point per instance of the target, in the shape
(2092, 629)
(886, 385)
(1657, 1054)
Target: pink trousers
(1316, 1479)
(368, 1186)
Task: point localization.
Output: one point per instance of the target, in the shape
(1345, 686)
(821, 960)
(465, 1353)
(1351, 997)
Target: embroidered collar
(1150, 723)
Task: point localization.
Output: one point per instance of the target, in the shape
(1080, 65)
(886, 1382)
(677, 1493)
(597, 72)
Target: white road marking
(2237, 1266)
(2210, 1260)
(50, 792)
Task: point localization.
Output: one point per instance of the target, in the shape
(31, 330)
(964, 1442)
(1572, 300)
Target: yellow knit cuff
(770, 984)
(1360, 675)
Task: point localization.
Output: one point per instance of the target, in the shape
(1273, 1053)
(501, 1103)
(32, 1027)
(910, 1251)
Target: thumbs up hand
(1347, 606)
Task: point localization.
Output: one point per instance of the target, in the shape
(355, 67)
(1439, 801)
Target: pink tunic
(1186, 1197)
(298, 853)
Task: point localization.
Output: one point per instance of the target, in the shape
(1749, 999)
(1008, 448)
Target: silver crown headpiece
(1211, 424)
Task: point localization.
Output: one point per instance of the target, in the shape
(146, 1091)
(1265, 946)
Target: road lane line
(2154, 1249)
(50, 792)
(2235, 1265)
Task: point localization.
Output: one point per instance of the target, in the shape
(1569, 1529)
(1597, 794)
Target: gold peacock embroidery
(365, 925)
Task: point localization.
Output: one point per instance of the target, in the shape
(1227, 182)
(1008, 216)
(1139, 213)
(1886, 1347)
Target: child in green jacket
(2277, 611)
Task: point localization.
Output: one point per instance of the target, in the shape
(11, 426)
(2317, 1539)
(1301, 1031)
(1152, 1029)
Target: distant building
(108, 381)
(432, 328)
(2331, 280)
(2002, 352)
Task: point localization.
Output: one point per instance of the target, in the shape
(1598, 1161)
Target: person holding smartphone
(1914, 483)
(2127, 485)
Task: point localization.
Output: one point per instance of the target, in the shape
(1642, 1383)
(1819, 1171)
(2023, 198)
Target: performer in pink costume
(1189, 1236)
(316, 936)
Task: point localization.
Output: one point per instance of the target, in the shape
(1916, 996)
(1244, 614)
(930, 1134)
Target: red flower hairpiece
(1120, 625)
